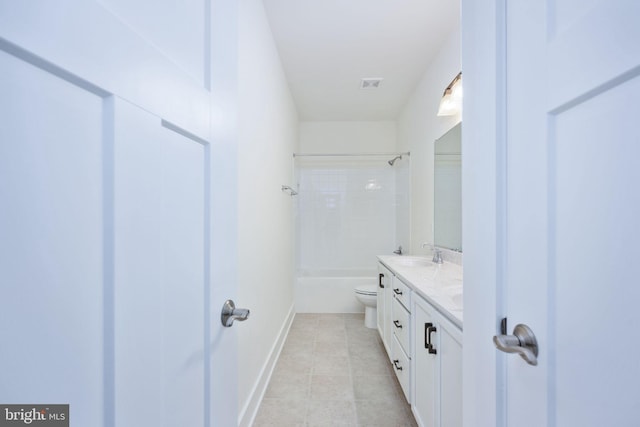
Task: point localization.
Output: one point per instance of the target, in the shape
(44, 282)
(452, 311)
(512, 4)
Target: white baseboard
(250, 410)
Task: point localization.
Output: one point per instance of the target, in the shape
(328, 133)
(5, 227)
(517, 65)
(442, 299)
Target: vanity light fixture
(451, 102)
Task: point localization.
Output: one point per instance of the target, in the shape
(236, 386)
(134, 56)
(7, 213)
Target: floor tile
(301, 336)
(331, 365)
(370, 364)
(332, 322)
(281, 412)
(382, 413)
(331, 412)
(298, 348)
(330, 348)
(333, 371)
(288, 387)
(294, 364)
(305, 322)
(331, 387)
(374, 387)
(331, 335)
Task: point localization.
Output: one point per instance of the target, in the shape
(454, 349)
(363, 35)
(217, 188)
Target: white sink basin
(454, 293)
(457, 299)
(412, 261)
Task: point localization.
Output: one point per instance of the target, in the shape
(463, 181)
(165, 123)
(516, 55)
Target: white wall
(267, 138)
(348, 137)
(418, 128)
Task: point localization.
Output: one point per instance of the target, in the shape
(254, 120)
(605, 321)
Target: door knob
(522, 342)
(231, 313)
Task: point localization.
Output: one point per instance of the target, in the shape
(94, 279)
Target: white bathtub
(330, 291)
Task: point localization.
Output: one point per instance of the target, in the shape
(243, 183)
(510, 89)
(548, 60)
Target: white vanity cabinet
(437, 367)
(385, 281)
(401, 345)
(420, 322)
(394, 324)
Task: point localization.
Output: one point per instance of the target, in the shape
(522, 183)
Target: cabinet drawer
(402, 367)
(400, 324)
(401, 292)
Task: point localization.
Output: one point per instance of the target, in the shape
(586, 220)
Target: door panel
(176, 28)
(571, 210)
(102, 255)
(594, 213)
(100, 83)
(598, 36)
(159, 273)
(87, 40)
(51, 241)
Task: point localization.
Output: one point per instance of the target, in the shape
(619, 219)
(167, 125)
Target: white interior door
(572, 209)
(108, 230)
(159, 290)
(52, 267)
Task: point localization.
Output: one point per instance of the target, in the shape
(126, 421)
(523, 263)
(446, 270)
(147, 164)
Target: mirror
(447, 215)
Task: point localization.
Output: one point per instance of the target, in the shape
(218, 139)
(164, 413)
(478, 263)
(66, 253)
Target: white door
(107, 227)
(567, 209)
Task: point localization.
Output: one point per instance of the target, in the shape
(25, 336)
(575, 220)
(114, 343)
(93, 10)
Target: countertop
(439, 284)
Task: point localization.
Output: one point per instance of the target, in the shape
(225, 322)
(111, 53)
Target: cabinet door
(400, 324)
(424, 368)
(388, 321)
(384, 277)
(450, 354)
(402, 367)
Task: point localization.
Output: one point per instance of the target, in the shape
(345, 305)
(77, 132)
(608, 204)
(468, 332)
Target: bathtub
(330, 291)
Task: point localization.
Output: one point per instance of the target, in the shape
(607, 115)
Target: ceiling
(328, 46)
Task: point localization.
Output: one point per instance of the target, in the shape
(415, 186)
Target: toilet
(368, 295)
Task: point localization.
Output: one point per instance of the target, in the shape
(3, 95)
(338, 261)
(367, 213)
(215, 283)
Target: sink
(454, 293)
(457, 299)
(412, 261)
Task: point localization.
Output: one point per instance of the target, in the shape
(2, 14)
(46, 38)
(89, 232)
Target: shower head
(392, 161)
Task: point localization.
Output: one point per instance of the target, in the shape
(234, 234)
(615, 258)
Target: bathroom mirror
(447, 206)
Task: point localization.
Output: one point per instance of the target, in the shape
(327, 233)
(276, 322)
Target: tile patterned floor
(333, 372)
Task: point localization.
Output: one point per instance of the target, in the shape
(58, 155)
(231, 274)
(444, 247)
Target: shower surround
(349, 210)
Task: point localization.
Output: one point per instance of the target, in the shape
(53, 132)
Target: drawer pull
(396, 363)
(380, 276)
(397, 291)
(398, 324)
(428, 329)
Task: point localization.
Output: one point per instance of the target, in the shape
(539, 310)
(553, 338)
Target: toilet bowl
(367, 294)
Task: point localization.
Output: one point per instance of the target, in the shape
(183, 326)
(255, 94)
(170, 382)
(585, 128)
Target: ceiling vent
(371, 83)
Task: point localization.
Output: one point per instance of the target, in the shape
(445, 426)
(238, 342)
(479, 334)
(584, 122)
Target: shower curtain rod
(407, 153)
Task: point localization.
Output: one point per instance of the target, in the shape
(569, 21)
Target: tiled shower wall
(347, 213)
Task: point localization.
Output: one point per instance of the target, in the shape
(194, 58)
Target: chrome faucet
(437, 253)
(437, 256)
(398, 251)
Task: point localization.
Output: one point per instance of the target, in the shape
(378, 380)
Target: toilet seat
(370, 290)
